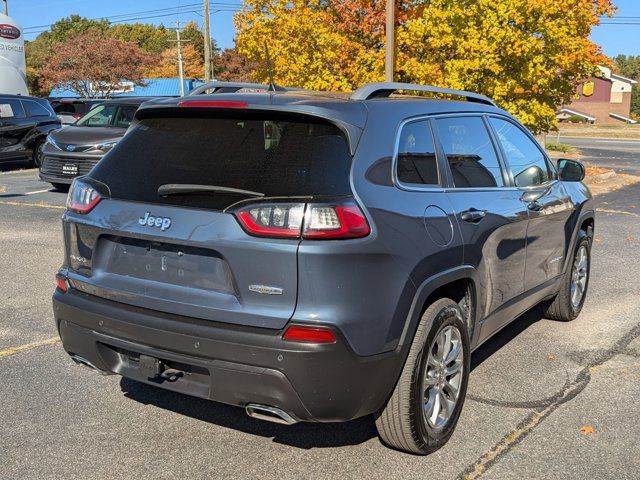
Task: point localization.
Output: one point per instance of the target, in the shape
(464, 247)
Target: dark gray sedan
(74, 150)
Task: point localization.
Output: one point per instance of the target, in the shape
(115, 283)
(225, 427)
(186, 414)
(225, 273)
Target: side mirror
(570, 170)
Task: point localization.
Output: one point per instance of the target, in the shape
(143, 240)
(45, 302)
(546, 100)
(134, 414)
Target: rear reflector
(61, 283)
(296, 333)
(213, 104)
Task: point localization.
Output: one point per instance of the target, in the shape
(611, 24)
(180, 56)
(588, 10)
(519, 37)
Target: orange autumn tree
(526, 54)
(192, 64)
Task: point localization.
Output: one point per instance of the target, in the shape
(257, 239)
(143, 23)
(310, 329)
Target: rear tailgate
(202, 266)
(187, 254)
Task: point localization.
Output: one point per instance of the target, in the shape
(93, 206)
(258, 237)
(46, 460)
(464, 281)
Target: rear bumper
(230, 364)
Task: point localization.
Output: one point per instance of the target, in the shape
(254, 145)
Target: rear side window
(470, 152)
(11, 108)
(265, 152)
(417, 164)
(34, 109)
(527, 162)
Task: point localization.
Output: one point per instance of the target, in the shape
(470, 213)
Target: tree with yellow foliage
(525, 54)
(192, 64)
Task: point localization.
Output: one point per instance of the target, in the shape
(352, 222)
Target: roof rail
(385, 89)
(232, 87)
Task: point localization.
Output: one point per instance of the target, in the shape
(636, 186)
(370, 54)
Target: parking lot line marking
(621, 212)
(30, 204)
(38, 191)
(29, 346)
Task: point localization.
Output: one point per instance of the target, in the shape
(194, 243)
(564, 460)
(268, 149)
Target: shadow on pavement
(302, 435)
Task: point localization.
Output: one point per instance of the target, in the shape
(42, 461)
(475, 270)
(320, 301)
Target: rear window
(270, 153)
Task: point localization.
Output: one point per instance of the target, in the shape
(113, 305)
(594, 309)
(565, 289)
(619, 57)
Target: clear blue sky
(615, 39)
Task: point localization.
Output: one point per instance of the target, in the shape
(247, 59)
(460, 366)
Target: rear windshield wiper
(187, 188)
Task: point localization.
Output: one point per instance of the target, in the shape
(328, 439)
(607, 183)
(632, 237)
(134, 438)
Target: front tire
(60, 187)
(568, 303)
(424, 408)
(36, 156)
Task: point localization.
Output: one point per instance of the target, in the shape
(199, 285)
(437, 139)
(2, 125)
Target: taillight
(314, 221)
(272, 220)
(61, 283)
(83, 196)
(297, 333)
(76, 116)
(340, 221)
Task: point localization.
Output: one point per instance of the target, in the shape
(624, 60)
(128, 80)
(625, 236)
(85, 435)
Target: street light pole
(5, 8)
(390, 45)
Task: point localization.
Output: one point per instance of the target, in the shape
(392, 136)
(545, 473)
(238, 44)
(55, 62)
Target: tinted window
(11, 108)
(270, 153)
(124, 117)
(35, 109)
(527, 163)
(470, 153)
(416, 155)
(101, 116)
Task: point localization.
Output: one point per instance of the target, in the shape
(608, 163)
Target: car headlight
(105, 147)
(51, 141)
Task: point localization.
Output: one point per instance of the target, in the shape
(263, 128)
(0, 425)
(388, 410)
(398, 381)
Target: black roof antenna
(272, 85)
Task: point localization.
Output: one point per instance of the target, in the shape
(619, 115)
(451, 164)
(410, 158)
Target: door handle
(535, 206)
(472, 215)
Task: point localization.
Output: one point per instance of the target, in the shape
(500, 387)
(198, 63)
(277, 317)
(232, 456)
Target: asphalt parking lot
(545, 400)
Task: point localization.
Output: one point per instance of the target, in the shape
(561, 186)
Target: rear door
(187, 253)
(492, 219)
(546, 199)
(14, 125)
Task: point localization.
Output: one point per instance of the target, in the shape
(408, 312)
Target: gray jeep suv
(317, 257)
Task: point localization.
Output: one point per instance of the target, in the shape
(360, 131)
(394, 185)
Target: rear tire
(409, 421)
(567, 304)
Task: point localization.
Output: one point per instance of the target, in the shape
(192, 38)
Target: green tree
(629, 66)
(150, 38)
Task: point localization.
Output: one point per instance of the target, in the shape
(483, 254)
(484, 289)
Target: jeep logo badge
(163, 223)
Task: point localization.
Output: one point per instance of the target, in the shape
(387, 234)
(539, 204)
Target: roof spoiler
(385, 89)
(233, 87)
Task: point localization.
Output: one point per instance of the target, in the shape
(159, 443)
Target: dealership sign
(8, 31)
(13, 71)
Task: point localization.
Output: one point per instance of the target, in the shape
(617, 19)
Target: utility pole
(179, 42)
(5, 8)
(390, 43)
(207, 43)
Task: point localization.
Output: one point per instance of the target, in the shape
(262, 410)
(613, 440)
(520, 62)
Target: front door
(545, 198)
(13, 127)
(491, 216)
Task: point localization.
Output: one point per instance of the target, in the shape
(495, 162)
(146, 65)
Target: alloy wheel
(443, 377)
(579, 273)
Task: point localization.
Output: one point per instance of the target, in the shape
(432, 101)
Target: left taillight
(84, 195)
(61, 283)
(312, 221)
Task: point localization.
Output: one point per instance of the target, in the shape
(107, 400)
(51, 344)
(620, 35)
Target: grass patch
(560, 147)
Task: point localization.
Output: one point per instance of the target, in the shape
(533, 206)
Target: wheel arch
(458, 283)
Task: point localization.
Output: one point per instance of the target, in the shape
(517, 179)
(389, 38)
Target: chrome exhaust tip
(270, 414)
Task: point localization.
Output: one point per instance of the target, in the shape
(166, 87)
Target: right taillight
(314, 221)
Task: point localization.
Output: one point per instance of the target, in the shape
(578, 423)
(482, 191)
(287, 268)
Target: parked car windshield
(109, 116)
(275, 154)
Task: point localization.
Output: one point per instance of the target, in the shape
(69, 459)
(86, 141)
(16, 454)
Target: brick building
(605, 99)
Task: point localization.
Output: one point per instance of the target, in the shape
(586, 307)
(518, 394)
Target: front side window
(417, 164)
(527, 162)
(101, 116)
(470, 152)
